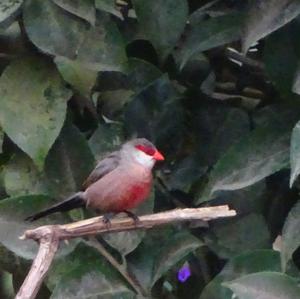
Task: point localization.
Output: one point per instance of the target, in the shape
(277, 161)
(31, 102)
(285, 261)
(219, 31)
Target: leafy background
(214, 84)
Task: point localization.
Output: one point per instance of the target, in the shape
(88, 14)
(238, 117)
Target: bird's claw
(135, 218)
(106, 219)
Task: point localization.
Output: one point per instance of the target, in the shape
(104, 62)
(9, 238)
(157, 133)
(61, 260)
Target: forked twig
(49, 237)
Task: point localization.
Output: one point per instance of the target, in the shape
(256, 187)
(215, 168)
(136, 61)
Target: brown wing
(103, 167)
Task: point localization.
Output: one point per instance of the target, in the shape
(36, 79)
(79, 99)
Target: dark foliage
(214, 84)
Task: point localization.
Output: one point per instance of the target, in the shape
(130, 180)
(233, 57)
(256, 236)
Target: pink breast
(136, 195)
(124, 193)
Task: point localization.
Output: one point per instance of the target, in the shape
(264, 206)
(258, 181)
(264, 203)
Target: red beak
(158, 156)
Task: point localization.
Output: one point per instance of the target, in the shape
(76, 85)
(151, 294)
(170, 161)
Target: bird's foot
(106, 219)
(135, 218)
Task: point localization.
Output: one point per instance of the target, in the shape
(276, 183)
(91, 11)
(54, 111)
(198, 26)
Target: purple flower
(184, 273)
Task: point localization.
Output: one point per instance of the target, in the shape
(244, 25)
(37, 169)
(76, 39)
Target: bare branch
(40, 266)
(49, 236)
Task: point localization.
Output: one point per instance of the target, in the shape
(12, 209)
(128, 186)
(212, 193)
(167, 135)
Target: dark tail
(73, 202)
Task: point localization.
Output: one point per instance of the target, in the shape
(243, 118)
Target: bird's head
(142, 151)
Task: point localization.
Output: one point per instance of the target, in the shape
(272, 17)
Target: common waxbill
(119, 182)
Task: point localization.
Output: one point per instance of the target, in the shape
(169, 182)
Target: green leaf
(105, 139)
(138, 76)
(62, 176)
(231, 237)
(280, 58)
(22, 170)
(69, 162)
(290, 235)
(207, 34)
(10, 262)
(38, 101)
(84, 274)
(51, 29)
(77, 74)
(262, 152)
(264, 285)
(83, 9)
(163, 31)
(156, 113)
(113, 101)
(216, 126)
(9, 9)
(172, 251)
(244, 201)
(103, 48)
(159, 251)
(141, 73)
(98, 48)
(295, 153)
(1, 140)
(246, 263)
(108, 6)
(226, 126)
(13, 211)
(264, 17)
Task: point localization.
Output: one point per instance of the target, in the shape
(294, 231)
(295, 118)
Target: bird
(118, 183)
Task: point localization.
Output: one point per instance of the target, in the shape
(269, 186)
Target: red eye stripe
(146, 149)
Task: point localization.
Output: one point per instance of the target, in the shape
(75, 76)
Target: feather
(103, 167)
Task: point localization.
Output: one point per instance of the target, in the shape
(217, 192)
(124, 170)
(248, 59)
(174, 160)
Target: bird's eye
(146, 149)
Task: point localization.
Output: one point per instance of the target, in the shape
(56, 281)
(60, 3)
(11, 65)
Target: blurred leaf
(172, 251)
(165, 30)
(38, 102)
(295, 153)
(51, 29)
(262, 152)
(296, 83)
(69, 162)
(185, 172)
(234, 236)
(141, 74)
(106, 138)
(264, 285)
(77, 74)
(113, 101)
(244, 201)
(63, 174)
(108, 6)
(215, 126)
(264, 17)
(160, 250)
(218, 127)
(1, 140)
(99, 48)
(246, 263)
(126, 242)
(138, 76)
(280, 60)
(103, 48)
(13, 211)
(196, 70)
(9, 261)
(290, 235)
(21, 177)
(8, 10)
(84, 274)
(202, 35)
(83, 9)
(156, 113)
